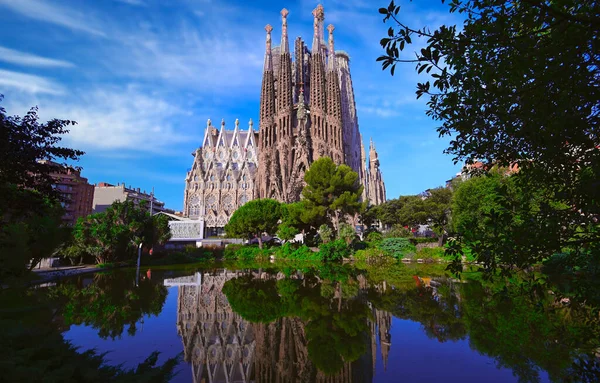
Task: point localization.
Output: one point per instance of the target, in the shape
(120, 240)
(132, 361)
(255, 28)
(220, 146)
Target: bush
(374, 236)
(372, 256)
(302, 253)
(397, 247)
(245, 253)
(398, 231)
(431, 253)
(231, 250)
(347, 233)
(418, 240)
(334, 251)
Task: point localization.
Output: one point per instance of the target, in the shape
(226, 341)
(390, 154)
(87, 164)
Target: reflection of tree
(329, 315)
(34, 350)
(527, 334)
(439, 314)
(111, 302)
(522, 329)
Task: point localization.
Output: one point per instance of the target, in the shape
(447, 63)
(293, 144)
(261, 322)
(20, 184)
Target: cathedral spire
(319, 16)
(285, 46)
(331, 63)
(268, 58)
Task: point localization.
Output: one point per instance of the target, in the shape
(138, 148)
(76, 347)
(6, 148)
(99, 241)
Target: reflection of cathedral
(223, 347)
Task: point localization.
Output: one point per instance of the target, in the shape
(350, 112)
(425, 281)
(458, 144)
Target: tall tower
(307, 111)
(267, 184)
(376, 188)
(318, 106)
(333, 131)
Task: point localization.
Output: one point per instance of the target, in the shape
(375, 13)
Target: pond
(340, 323)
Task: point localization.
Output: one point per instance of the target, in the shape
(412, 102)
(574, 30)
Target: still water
(412, 323)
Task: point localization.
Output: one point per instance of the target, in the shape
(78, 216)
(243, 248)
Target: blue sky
(141, 77)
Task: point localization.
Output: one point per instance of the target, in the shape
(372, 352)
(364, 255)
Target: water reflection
(332, 325)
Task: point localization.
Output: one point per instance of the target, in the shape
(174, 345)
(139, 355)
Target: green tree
(255, 218)
(113, 234)
(516, 84)
(30, 206)
(437, 206)
(332, 192)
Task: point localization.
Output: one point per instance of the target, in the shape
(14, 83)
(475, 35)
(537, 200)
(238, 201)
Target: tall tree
(24, 141)
(29, 208)
(517, 83)
(114, 233)
(332, 192)
(255, 218)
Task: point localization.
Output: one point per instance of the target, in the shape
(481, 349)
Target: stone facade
(222, 176)
(307, 111)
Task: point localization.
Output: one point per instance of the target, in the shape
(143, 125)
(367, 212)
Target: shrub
(334, 251)
(417, 240)
(302, 253)
(230, 251)
(325, 233)
(372, 256)
(347, 233)
(398, 231)
(430, 253)
(242, 252)
(374, 236)
(397, 247)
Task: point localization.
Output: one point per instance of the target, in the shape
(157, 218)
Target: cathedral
(307, 111)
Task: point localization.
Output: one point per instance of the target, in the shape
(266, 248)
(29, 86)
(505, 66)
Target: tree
(30, 211)
(24, 142)
(331, 192)
(437, 207)
(516, 84)
(255, 218)
(113, 234)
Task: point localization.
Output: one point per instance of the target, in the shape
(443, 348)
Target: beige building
(105, 194)
(307, 111)
(76, 193)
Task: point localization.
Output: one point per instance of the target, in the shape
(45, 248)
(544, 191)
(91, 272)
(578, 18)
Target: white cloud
(111, 119)
(43, 11)
(27, 59)
(201, 58)
(133, 2)
(29, 83)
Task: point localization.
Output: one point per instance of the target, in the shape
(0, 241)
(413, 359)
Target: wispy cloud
(29, 83)
(194, 57)
(111, 118)
(132, 2)
(27, 59)
(43, 11)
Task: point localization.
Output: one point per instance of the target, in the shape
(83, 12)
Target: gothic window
(228, 203)
(244, 177)
(228, 177)
(243, 199)
(195, 178)
(212, 177)
(211, 202)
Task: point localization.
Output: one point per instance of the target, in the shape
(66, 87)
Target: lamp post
(137, 271)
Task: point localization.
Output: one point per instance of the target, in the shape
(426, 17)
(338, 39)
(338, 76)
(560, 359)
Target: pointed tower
(285, 108)
(350, 132)
(267, 128)
(375, 178)
(318, 107)
(363, 174)
(333, 131)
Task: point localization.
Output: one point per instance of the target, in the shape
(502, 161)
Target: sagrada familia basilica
(307, 111)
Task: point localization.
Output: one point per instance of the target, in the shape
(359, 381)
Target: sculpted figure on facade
(307, 110)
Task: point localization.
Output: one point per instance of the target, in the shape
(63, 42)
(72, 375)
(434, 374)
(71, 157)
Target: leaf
(383, 11)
